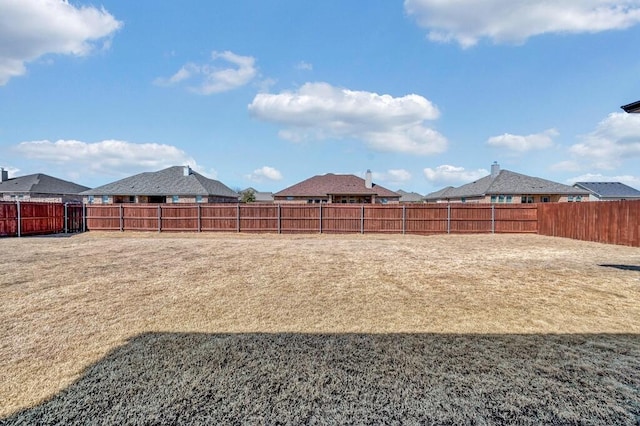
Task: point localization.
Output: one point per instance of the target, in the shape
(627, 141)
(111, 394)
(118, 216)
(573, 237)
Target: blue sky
(425, 93)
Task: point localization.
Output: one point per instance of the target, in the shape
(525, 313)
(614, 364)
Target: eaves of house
(633, 107)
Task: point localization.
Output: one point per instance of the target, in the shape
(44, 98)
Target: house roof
(40, 183)
(437, 195)
(409, 197)
(169, 181)
(332, 184)
(511, 183)
(632, 107)
(609, 189)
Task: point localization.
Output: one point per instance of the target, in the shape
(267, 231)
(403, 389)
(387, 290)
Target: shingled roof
(332, 184)
(610, 190)
(169, 181)
(506, 182)
(40, 183)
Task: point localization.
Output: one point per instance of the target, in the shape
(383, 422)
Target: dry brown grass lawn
(65, 303)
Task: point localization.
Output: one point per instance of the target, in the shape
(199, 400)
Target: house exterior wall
(41, 198)
(145, 199)
(518, 199)
(337, 199)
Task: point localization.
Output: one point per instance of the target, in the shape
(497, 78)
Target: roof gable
(40, 183)
(332, 184)
(169, 181)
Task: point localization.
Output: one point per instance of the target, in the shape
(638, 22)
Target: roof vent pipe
(495, 169)
(368, 180)
(187, 171)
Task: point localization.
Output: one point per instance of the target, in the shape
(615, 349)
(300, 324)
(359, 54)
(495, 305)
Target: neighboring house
(332, 188)
(39, 188)
(410, 197)
(504, 186)
(439, 196)
(633, 107)
(260, 197)
(608, 191)
(175, 184)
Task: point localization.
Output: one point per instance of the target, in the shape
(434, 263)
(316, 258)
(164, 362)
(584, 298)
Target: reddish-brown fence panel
(301, 218)
(141, 217)
(8, 219)
(613, 222)
(473, 219)
(342, 219)
(522, 218)
(219, 217)
(41, 218)
(426, 219)
(103, 217)
(383, 219)
(258, 217)
(179, 217)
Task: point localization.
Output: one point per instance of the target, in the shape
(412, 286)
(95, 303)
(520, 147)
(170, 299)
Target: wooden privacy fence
(315, 218)
(30, 218)
(612, 222)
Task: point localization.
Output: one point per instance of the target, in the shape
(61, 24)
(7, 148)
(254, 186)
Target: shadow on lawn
(624, 267)
(355, 378)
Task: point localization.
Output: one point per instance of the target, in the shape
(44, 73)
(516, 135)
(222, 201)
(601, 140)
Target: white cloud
(633, 181)
(452, 175)
(520, 143)
(514, 21)
(392, 176)
(615, 139)
(304, 66)
(109, 157)
(566, 166)
(265, 173)
(211, 78)
(383, 122)
(30, 29)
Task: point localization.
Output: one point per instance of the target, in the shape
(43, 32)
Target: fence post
(493, 218)
(321, 217)
(159, 218)
(279, 230)
(84, 217)
(448, 218)
(362, 219)
(238, 217)
(19, 219)
(66, 218)
(404, 218)
(199, 217)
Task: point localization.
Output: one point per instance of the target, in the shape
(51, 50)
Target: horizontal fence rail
(315, 218)
(31, 218)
